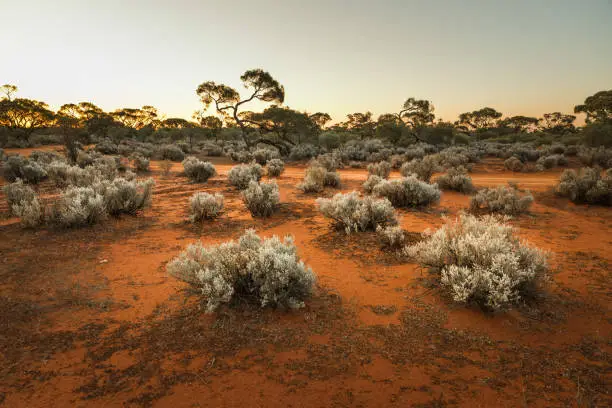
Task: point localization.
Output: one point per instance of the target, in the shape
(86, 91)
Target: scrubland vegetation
(358, 197)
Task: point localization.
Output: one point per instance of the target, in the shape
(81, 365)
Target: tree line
(283, 127)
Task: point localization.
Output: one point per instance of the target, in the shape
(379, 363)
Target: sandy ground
(89, 317)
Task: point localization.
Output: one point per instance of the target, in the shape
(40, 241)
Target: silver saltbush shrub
(123, 196)
(261, 199)
(275, 167)
(78, 206)
(407, 192)
(513, 163)
(501, 199)
(17, 193)
(198, 170)
(480, 260)
(268, 270)
(242, 174)
(424, 168)
(457, 179)
(31, 212)
(317, 178)
(391, 237)
(371, 182)
(205, 206)
(381, 169)
(587, 186)
(141, 163)
(353, 213)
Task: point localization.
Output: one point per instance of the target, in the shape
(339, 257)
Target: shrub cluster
(242, 174)
(407, 191)
(514, 164)
(267, 270)
(317, 177)
(391, 237)
(19, 167)
(198, 170)
(141, 163)
(381, 169)
(457, 179)
(480, 260)
(587, 186)
(261, 199)
(17, 193)
(263, 156)
(171, 152)
(423, 168)
(275, 167)
(501, 199)
(353, 213)
(205, 206)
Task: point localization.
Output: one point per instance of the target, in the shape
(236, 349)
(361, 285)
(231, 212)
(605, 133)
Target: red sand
(89, 317)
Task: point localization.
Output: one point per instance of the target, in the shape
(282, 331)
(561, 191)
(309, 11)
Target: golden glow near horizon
(339, 57)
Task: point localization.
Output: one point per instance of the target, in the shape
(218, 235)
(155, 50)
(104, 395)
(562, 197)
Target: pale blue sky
(520, 57)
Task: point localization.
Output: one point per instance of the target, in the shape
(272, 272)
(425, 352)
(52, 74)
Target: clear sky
(518, 56)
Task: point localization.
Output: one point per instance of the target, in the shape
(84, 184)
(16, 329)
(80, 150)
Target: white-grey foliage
(381, 169)
(586, 186)
(408, 192)
(317, 177)
(30, 212)
(261, 199)
(268, 270)
(370, 183)
(123, 196)
(391, 236)
(513, 163)
(205, 206)
(242, 174)
(502, 200)
(275, 167)
(457, 179)
(354, 213)
(141, 163)
(480, 260)
(264, 155)
(198, 170)
(78, 206)
(423, 168)
(17, 193)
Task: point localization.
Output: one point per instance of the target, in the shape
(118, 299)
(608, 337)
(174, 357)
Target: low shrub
(423, 168)
(171, 152)
(19, 167)
(263, 156)
(316, 178)
(501, 199)
(122, 196)
(79, 206)
(514, 164)
(197, 170)
(141, 163)
(480, 260)
(370, 183)
(548, 162)
(106, 146)
(407, 192)
(587, 186)
(30, 212)
(391, 237)
(303, 152)
(261, 199)
(353, 213)
(205, 206)
(241, 175)
(457, 179)
(275, 167)
(268, 271)
(17, 193)
(381, 169)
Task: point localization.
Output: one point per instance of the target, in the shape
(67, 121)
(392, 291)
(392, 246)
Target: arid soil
(89, 317)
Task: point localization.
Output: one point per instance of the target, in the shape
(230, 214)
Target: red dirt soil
(89, 317)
